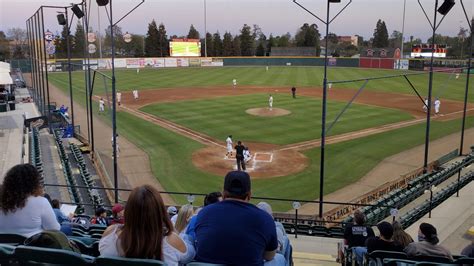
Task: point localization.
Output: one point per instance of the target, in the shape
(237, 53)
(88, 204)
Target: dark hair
(430, 233)
(239, 142)
(359, 217)
(55, 204)
(147, 224)
(212, 197)
(99, 211)
(399, 235)
(20, 182)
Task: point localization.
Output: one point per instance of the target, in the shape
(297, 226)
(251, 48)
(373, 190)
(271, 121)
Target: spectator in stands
(100, 217)
(356, 234)
(184, 216)
(172, 211)
(469, 249)
(117, 214)
(234, 231)
(400, 236)
(385, 241)
(23, 209)
(284, 246)
(427, 245)
(147, 232)
(63, 220)
(210, 198)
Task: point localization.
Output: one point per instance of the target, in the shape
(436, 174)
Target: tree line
(249, 41)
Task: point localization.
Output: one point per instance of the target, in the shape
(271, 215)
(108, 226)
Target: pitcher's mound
(267, 112)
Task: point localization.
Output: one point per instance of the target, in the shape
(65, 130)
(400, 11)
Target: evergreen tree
(260, 49)
(79, 41)
(380, 35)
(152, 40)
(193, 33)
(247, 41)
(61, 43)
(271, 43)
(227, 44)
(163, 42)
(118, 40)
(4, 50)
(236, 44)
(209, 45)
(217, 44)
(284, 40)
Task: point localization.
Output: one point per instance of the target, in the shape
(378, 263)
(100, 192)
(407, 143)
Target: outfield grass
(445, 85)
(170, 157)
(223, 116)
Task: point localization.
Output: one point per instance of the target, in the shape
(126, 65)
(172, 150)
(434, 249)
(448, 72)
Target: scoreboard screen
(425, 50)
(185, 47)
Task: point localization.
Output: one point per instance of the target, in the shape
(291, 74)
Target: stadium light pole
(326, 22)
(114, 108)
(403, 30)
(442, 10)
(469, 22)
(205, 29)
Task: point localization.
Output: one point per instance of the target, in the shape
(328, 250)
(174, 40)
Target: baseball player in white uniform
(425, 106)
(437, 104)
(116, 144)
(101, 105)
(230, 148)
(247, 155)
(234, 83)
(119, 98)
(135, 94)
(270, 102)
(457, 75)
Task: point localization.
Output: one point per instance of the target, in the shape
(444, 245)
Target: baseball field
(183, 116)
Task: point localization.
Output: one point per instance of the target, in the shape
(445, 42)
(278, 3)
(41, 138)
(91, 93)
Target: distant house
(381, 53)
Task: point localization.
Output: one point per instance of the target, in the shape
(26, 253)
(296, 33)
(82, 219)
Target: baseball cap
(237, 182)
(117, 208)
(385, 229)
(172, 210)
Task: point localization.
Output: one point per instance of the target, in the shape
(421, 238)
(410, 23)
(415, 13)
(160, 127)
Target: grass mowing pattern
(225, 116)
(445, 84)
(170, 157)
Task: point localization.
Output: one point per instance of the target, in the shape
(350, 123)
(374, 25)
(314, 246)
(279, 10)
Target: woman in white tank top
(147, 232)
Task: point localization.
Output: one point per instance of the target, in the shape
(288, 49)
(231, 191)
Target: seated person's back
(234, 231)
(384, 242)
(356, 234)
(427, 245)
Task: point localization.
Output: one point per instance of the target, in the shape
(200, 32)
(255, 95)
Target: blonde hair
(184, 215)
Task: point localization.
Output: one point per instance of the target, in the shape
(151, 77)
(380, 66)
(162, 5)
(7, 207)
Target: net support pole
(463, 124)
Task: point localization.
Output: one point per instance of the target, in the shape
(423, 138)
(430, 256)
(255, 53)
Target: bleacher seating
(35, 152)
(71, 182)
(94, 196)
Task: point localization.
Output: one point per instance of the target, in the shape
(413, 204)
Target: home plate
(266, 157)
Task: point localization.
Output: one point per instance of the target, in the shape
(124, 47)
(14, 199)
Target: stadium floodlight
(446, 7)
(61, 19)
(102, 2)
(77, 11)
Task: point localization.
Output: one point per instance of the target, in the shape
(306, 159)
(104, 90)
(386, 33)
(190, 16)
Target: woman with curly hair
(147, 233)
(23, 209)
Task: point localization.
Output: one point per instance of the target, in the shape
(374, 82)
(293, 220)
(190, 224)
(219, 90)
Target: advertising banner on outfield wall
(194, 62)
(182, 62)
(401, 64)
(171, 62)
(206, 62)
(135, 62)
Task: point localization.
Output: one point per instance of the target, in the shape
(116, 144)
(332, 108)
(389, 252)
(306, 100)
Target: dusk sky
(273, 16)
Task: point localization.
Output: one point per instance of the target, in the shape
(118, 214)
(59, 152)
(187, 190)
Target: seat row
(419, 211)
(94, 196)
(380, 258)
(28, 255)
(35, 152)
(314, 230)
(70, 181)
(399, 198)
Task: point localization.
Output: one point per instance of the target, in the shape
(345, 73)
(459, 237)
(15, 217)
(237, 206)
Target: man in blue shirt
(234, 231)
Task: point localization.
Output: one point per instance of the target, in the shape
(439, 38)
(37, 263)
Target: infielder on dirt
(437, 104)
(101, 105)
(119, 98)
(270, 102)
(234, 83)
(229, 146)
(425, 106)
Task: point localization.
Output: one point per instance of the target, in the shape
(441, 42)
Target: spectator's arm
(48, 218)
(187, 249)
(410, 250)
(269, 255)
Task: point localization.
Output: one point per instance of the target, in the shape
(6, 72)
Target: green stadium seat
(12, 239)
(36, 255)
(6, 254)
(114, 261)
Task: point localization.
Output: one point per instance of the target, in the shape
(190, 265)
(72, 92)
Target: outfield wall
(173, 62)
